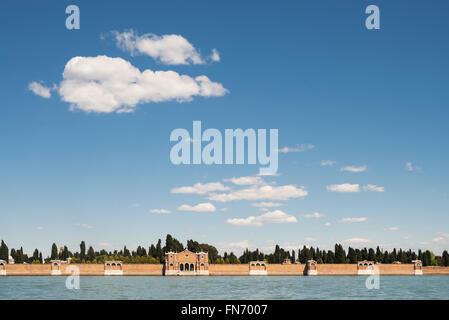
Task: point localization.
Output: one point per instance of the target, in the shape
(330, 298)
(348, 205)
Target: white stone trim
(113, 272)
(418, 273)
(312, 272)
(56, 272)
(365, 272)
(2, 272)
(258, 272)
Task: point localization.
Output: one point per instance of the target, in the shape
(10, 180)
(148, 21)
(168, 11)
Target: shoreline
(216, 270)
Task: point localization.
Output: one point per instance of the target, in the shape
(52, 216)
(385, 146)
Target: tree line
(155, 254)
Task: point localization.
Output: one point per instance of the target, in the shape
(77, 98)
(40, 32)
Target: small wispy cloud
(201, 207)
(40, 90)
(409, 166)
(39, 228)
(328, 224)
(373, 187)
(298, 148)
(276, 216)
(315, 215)
(352, 220)
(354, 168)
(159, 211)
(391, 229)
(83, 225)
(345, 187)
(328, 163)
(356, 241)
(267, 204)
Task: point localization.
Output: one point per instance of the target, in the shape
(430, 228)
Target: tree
(82, 250)
(445, 257)
(4, 253)
(340, 255)
(91, 254)
(54, 252)
(352, 256)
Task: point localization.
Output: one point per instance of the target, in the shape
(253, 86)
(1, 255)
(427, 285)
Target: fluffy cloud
(103, 85)
(241, 244)
(409, 166)
(215, 56)
(160, 211)
(325, 163)
(299, 148)
(199, 188)
(356, 241)
(314, 215)
(261, 193)
(328, 224)
(372, 187)
(354, 168)
(345, 187)
(267, 204)
(391, 229)
(244, 181)
(170, 49)
(352, 220)
(201, 207)
(39, 90)
(276, 216)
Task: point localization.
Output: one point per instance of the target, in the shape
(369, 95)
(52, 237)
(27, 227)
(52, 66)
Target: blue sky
(371, 99)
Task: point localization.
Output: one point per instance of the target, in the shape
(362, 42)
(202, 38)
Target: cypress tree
(54, 252)
(4, 253)
(82, 251)
(445, 258)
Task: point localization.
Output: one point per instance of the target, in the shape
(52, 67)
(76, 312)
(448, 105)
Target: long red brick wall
(219, 269)
(435, 270)
(228, 269)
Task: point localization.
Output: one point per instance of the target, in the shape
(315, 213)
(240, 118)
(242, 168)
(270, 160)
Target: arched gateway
(186, 263)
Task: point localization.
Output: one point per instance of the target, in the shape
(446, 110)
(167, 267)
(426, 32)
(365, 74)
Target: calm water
(341, 287)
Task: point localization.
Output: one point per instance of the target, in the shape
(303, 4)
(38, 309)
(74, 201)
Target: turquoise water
(324, 287)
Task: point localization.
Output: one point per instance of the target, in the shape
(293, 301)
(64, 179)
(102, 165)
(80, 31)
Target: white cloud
(373, 187)
(243, 181)
(391, 229)
(345, 187)
(39, 90)
(224, 209)
(199, 188)
(276, 216)
(439, 239)
(325, 163)
(170, 49)
(201, 207)
(39, 228)
(314, 215)
(299, 148)
(261, 193)
(328, 224)
(409, 166)
(352, 220)
(215, 56)
(356, 241)
(241, 244)
(354, 168)
(309, 239)
(83, 225)
(443, 234)
(159, 211)
(103, 85)
(267, 204)
(104, 244)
